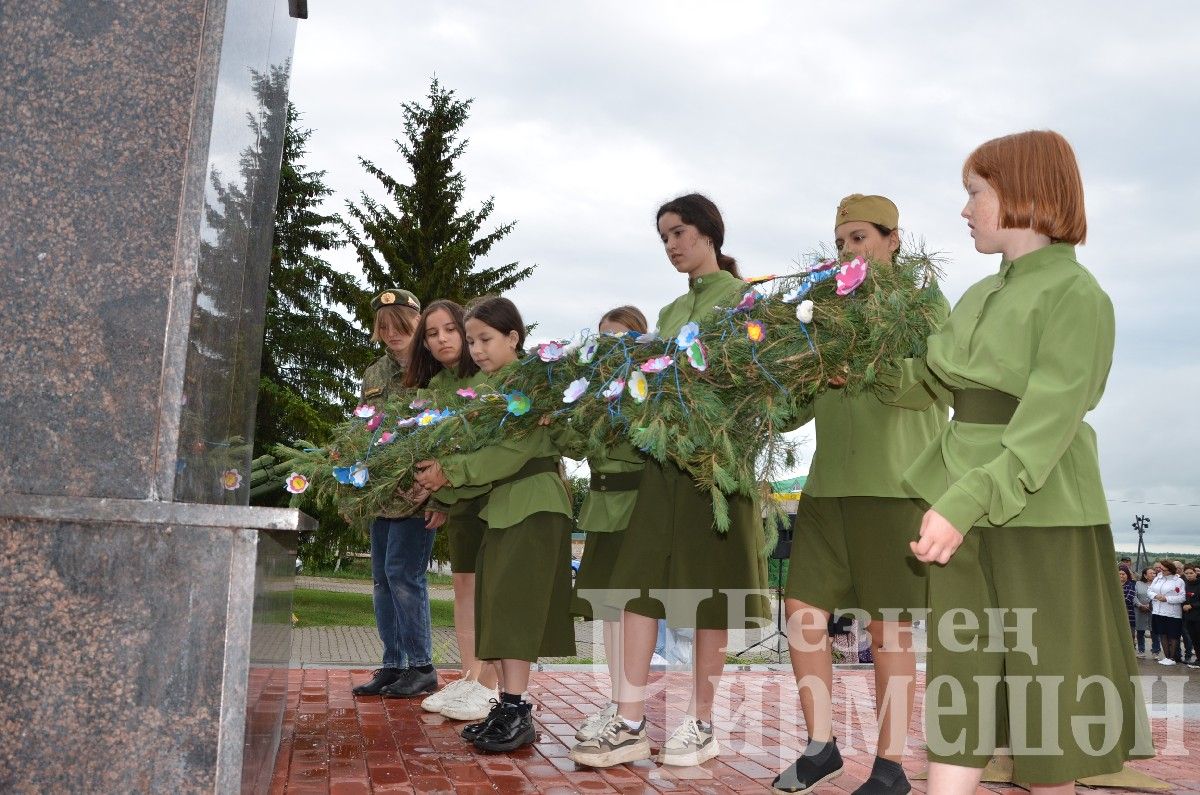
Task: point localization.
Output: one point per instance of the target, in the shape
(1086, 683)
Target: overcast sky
(588, 115)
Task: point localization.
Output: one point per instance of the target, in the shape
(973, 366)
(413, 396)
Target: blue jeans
(400, 550)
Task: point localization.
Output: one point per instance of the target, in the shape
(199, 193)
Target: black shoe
(511, 729)
(887, 778)
(472, 730)
(383, 677)
(410, 683)
(811, 769)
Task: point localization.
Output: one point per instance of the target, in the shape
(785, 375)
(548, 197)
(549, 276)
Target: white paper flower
(804, 311)
(575, 390)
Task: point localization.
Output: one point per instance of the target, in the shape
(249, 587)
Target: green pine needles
(715, 399)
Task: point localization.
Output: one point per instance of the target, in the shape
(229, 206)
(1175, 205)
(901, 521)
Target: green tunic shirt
(721, 289)
(602, 511)
(864, 445)
(445, 380)
(510, 503)
(1041, 330)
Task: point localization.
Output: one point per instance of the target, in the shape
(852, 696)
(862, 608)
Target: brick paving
(333, 743)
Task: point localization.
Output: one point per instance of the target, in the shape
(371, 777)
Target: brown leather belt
(984, 406)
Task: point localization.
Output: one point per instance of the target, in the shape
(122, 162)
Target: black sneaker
(410, 683)
(511, 729)
(887, 778)
(382, 678)
(810, 770)
(473, 730)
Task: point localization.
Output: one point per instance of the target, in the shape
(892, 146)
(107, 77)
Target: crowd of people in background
(1164, 602)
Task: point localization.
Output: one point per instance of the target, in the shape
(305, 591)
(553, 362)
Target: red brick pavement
(333, 743)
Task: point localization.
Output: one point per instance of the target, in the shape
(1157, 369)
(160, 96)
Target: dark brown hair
(1036, 177)
(501, 314)
(699, 211)
(628, 316)
(421, 364)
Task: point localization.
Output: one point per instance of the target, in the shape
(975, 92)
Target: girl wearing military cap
(400, 542)
(523, 580)
(850, 550)
(440, 360)
(672, 551)
(1016, 499)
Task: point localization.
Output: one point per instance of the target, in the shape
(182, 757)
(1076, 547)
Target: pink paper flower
(364, 411)
(385, 437)
(467, 392)
(747, 302)
(851, 275)
(373, 423)
(551, 351)
(419, 404)
(614, 389)
(656, 364)
(296, 483)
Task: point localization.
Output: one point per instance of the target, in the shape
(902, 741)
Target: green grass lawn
(359, 569)
(332, 609)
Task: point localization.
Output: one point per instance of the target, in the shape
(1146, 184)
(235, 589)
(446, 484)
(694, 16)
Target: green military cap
(872, 209)
(395, 298)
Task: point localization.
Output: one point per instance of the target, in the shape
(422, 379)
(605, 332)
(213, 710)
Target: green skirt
(674, 564)
(523, 590)
(600, 553)
(1029, 649)
(852, 552)
(464, 530)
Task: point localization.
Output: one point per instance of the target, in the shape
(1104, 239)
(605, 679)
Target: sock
(819, 750)
(510, 698)
(425, 669)
(705, 726)
(633, 727)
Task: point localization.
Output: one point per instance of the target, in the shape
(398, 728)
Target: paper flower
(804, 311)
(824, 265)
(851, 275)
(231, 480)
(364, 411)
(407, 422)
(588, 351)
(687, 334)
(296, 483)
(638, 388)
(760, 279)
(575, 390)
(418, 404)
(385, 437)
(755, 330)
(467, 392)
(518, 403)
(355, 475)
(613, 390)
(642, 339)
(796, 294)
(747, 302)
(656, 364)
(551, 351)
(698, 355)
(432, 417)
(373, 423)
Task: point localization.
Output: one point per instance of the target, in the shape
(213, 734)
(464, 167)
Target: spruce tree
(427, 242)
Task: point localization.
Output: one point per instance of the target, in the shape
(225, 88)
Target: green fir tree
(428, 243)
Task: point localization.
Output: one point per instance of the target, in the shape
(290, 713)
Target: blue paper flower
(688, 334)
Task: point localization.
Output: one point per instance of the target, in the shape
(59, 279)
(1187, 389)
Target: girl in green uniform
(1014, 488)
(850, 551)
(672, 554)
(615, 477)
(522, 571)
(440, 360)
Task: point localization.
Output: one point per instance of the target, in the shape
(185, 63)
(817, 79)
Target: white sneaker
(1166, 661)
(470, 703)
(615, 744)
(435, 701)
(690, 744)
(595, 723)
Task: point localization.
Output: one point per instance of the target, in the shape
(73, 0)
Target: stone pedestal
(144, 609)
